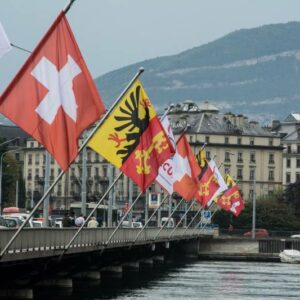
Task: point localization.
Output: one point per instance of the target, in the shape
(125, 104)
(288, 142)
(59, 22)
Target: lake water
(195, 280)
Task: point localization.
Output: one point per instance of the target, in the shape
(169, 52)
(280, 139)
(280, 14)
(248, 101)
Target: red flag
(231, 199)
(208, 183)
(53, 97)
(185, 170)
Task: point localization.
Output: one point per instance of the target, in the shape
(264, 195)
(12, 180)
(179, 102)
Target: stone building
(250, 153)
(289, 131)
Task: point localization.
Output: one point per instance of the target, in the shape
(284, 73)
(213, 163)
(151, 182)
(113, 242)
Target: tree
(292, 196)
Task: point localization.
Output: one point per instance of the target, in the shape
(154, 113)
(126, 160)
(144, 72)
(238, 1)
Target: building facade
(289, 131)
(250, 153)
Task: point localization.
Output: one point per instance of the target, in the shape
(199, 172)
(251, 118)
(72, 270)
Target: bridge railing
(41, 239)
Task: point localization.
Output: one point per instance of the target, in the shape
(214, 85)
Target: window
(251, 194)
(240, 157)
(252, 157)
(271, 158)
(29, 177)
(297, 177)
(239, 173)
(17, 155)
(271, 175)
(97, 157)
(191, 139)
(208, 155)
(89, 156)
(105, 171)
(298, 148)
(288, 177)
(52, 174)
(251, 175)
(31, 144)
(227, 170)
(207, 139)
(37, 159)
(251, 141)
(239, 141)
(298, 163)
(270, 142)
(288, 163)
(227, 156)
(289, 149)
(226, 140)
(30, 159)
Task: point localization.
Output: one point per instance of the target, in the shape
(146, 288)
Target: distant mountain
(251, 71)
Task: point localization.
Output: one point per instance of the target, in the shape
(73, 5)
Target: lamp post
(1, 167)
(254, 205)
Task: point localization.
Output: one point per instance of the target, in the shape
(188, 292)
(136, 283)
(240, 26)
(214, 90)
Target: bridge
(35, 257)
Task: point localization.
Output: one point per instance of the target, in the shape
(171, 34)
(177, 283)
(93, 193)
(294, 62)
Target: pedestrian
(92, 223)
(79, 220)
(66, 221)
(72, 218)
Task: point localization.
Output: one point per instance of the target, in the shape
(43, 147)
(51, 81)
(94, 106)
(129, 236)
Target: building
(250, 153)
(289, 131)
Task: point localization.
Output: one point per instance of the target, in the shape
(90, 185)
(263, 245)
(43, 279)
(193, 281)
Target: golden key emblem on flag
(159, 143)
(204, 188)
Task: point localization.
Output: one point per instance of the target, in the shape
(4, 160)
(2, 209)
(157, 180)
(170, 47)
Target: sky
(115, 33)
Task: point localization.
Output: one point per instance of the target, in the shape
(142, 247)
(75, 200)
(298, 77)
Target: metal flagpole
(213, 206)
(207, 221)
(120, 223)
(46, 186)
(164, 225)
(89, 216)
(195, 216)
(177, 225)
(149, 219)
(141, 70)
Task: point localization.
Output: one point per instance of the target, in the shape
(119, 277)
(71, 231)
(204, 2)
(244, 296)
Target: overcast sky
(114, 33)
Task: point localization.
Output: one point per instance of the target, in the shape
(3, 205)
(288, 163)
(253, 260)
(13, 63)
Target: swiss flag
(53, 97)
(185, 170)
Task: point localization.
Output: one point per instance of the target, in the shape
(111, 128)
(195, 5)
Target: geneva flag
(133, 139)
(53, 96)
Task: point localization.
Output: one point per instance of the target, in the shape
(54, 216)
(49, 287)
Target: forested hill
(251, 71)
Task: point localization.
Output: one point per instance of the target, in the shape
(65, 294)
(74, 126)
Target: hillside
(254, 71)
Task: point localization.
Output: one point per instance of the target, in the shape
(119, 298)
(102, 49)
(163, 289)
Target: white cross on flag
(165, 172)
(53, 97)
(4, 42)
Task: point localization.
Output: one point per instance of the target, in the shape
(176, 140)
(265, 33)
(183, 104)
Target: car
(295, 236)
(258, 233)
(125, 224)
(168, 223)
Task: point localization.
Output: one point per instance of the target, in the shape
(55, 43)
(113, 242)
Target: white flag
(4, 42)
(223, 186)
(165, 172)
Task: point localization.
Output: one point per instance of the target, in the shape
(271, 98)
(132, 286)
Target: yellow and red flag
(208, 183)
(231, 199)
(133, 139)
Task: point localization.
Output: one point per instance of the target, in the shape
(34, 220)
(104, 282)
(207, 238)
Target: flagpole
(196, 227)
(141, 70)
(120, 223)
(89, 216)
(149, 219)
(177, 225)
(164, 225)
(195, 216)
(68, 6)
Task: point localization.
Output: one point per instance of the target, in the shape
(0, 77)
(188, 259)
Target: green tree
(292, 196)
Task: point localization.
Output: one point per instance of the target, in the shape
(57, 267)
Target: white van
(125, 224)
(164, 220)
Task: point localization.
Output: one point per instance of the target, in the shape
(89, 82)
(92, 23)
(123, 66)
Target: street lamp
(1, 166)
(254, 205)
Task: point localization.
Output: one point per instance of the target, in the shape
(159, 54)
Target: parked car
(258, 233)
(125, 224)
(295, 236)
(170, 224)
(15, 221)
